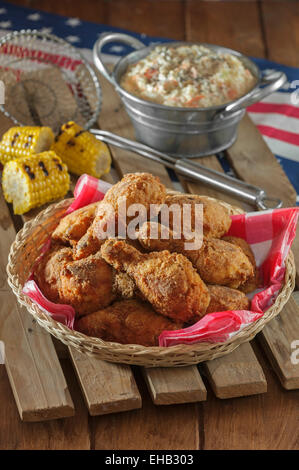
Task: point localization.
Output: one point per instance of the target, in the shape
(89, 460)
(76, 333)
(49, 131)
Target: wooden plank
(107, 388)
(89, 10)
(237, 374)
(281, 26)
(33, 368)
(258, 422)
(231, 24)
(146, 17)
(172, 427)
(278, 339)
(71, 433)
(171, 385)
(254, 162)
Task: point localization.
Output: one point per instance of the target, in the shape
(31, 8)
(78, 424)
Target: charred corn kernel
(23, 141)
(81, 151)
(31, 181)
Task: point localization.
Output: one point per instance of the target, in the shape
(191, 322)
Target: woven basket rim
(135, 353)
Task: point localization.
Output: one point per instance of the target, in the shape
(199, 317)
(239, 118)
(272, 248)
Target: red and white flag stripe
(277, 118)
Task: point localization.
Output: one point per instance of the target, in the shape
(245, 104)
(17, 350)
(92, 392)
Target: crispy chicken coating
(254, 281)
(220, 262)
(127, 322)
(87, 284)
(87, 245)
(73, 226)
(217, 261)
(134, 188)
(48, 270)
(167, 280)
(223, 298)
(124, 286)
(216, 219)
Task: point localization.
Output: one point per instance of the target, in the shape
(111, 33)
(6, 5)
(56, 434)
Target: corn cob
(31, 181)
(23, 141)
(81, 151)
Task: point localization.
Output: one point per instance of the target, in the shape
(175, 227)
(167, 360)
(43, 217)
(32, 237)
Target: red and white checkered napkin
(270, 235)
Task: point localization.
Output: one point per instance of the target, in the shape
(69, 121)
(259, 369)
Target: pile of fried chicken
(129, 291)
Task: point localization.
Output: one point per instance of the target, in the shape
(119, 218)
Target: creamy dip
(188, 76)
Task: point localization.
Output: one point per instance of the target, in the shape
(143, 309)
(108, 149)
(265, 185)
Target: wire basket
(47, 81)
(27, 247)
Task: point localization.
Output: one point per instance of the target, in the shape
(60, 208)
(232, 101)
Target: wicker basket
(27, 247)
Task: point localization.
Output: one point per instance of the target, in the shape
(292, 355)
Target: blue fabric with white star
(83, 34)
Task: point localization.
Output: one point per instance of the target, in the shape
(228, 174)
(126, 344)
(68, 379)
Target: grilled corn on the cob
(32, 181)
(23, 141)
(81, 151)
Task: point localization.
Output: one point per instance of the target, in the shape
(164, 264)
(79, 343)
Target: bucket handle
(268, 84)
(112, 37)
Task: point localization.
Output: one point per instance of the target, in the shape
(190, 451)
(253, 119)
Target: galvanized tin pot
(183, 132)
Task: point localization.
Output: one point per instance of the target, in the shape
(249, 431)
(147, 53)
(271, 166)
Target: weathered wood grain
(278, 339)
(172, 427)
(237, 374)
(144, 16)
(268, 421)
(232, 24)
(71, 433)
(172, 385)
(107, 388)
(33, 368)
(281, 27)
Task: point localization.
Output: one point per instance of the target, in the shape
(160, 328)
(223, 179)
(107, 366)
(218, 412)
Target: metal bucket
(183, 132)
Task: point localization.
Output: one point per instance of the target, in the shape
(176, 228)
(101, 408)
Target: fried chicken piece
(127, 322)
(124, 286)
(220, 262)
(216, 219)
(167, 280)
(254, 281)
(73, 226)
(217, 261)
(223, 299)
(134, 188)
(48, 270)
(87, 284)
(87, 245)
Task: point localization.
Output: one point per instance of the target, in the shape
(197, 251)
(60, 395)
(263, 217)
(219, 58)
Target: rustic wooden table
(263, 421)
